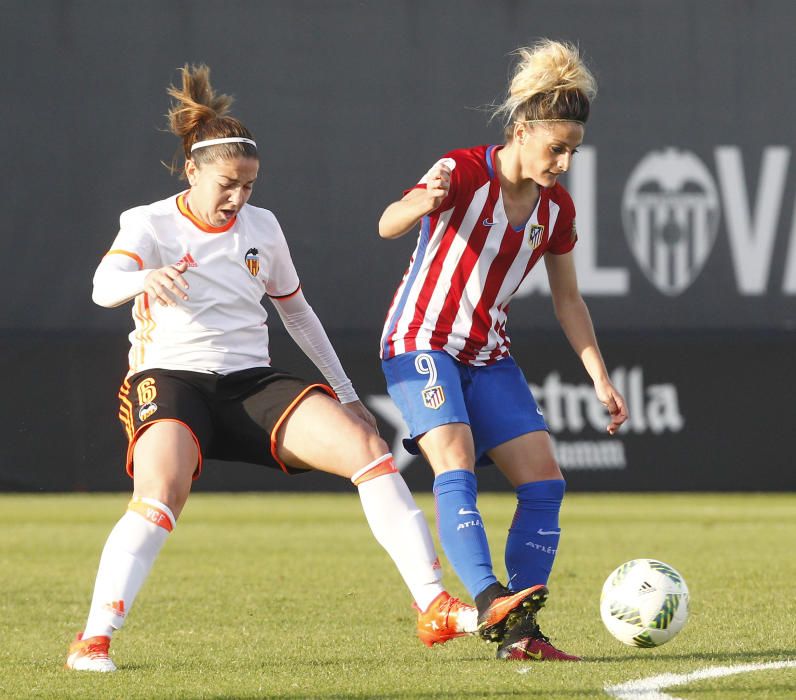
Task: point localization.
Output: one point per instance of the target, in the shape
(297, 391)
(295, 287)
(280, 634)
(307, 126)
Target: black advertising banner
(708, 412)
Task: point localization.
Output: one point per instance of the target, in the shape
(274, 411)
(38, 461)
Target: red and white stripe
(464, 272)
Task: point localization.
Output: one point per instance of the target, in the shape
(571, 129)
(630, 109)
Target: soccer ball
(644, 603)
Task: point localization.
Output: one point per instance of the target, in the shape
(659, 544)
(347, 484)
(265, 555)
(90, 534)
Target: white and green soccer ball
(644, 603)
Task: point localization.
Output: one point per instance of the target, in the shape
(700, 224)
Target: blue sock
(534, 533)
(461, 529)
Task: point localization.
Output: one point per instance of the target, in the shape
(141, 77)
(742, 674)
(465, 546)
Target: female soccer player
(487, 215)
(200, 384)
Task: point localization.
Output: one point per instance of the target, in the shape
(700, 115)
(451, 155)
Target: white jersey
(222, 326)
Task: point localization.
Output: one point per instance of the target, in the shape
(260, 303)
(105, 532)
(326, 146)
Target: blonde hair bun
(550, 82)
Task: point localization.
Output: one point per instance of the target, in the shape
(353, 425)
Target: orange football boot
(90, 654)
(444, 619)
(491, 623)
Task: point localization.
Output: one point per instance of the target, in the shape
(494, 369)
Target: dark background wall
(685, 189)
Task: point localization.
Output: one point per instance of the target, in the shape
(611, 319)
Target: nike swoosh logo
(462, 511)
(488, 222)
(548, 532)
(533, 654)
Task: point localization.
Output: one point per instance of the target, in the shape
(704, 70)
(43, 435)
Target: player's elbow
(103, 294)
(390, 229)
(101, 299)
(394, 222)
(385, 230)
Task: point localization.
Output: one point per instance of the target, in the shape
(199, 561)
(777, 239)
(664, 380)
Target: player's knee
(374, 445)
(551, 470)
(367, 444)
(448, 458)
(170, 489)
(542, 471)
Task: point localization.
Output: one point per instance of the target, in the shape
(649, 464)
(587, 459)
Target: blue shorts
(431, 389)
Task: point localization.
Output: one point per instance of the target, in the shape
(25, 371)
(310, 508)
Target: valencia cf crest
(671, 210)
(146, 411)
(253, 261)
(535, 235)
(433, 397)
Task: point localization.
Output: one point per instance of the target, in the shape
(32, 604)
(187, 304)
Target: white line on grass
(650, 688)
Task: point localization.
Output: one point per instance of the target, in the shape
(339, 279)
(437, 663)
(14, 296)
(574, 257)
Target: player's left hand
(359, 410)
(614, 402)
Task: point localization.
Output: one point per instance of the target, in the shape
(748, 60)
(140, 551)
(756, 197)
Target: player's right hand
(360, 410)
(438, 183)
(166, 285)
(614, 402)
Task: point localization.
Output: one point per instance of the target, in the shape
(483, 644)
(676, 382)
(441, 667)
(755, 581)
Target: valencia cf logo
(253, 261)
(535, 235)
(670, 211)
(433, 397)
(146, 411)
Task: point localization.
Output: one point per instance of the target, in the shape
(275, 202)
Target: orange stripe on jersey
(152, 513)
(287, 412)
(384, 465)
(182, 205)
(150, 322)
(145, 325)
(136, 357)
(119, 251)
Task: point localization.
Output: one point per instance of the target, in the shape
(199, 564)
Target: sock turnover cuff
(548, 489)
(378, 467)
(154, 511)
(455, 478)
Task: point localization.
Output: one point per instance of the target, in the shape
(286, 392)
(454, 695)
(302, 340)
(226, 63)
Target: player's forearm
(577, 325)
(113, 287)
(308, 333)
(402, 216)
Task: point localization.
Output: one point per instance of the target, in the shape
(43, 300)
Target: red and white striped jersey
(469, 263)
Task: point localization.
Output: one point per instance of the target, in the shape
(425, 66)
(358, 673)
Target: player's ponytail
(550, 82)
(199, 115)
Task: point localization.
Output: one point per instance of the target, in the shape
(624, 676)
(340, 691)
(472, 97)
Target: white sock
(400, 527)
(127, 558)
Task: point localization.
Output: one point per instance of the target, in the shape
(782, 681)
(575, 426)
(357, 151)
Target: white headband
(213, 142)
(542, 121)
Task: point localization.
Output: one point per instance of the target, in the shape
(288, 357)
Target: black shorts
(233, 417)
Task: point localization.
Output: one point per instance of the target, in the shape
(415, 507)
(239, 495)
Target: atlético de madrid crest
(253, 261)
(535, 234)
(433, 397)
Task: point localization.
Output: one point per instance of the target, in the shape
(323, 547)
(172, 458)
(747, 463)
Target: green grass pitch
(288, 596)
